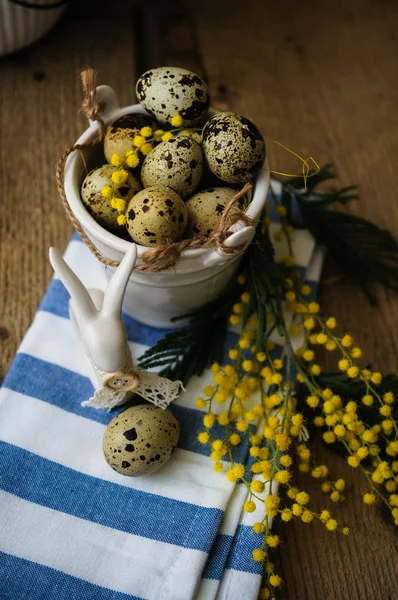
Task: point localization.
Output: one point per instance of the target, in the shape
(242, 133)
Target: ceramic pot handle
(107, 96)
(242, 235)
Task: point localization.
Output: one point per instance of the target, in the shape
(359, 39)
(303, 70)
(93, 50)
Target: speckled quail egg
(176, 163)
(100, 207)
(234, 148)
(120, 135)
(168, 91)
(155, 216)
(205, 209)
(140, 440)
(193, 133)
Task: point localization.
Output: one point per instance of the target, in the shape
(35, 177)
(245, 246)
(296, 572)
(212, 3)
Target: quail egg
(100, 207)
(205, 209)
(234, 148)
(176, 163)
(155, 216)
(140, 440)
(169, 91)
(120, 135)
(193, 133)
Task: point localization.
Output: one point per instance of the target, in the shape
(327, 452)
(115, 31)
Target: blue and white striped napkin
(70, 527)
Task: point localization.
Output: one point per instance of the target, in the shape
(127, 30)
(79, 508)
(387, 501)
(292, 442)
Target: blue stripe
(22, 579)
(240, 558)
(314, 285)
(217, 558)
(67, 390)
(50, 484)
(53, 384)
(233, 553)
(56, 300)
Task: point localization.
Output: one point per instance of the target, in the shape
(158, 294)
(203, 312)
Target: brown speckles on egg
(120, 135)
(196, 135)
(205, 210)
(131, 434)
(168, 91)
(157, 433)
(175, 165)
(190, 80)
(152, 215)
(234, 148)
(123, 190)
(183, 142)
(99, 207)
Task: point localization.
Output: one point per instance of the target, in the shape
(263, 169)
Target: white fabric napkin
(72, 528)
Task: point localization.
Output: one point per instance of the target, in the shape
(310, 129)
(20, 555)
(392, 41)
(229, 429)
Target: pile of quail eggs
(172, 169)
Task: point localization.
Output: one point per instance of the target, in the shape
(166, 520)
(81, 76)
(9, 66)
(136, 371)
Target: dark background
(321, 77)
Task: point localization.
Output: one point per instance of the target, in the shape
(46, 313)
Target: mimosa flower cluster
(143, 143)
(252, 405)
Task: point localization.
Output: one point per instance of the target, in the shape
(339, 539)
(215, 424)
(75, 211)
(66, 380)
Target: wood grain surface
(321, 77)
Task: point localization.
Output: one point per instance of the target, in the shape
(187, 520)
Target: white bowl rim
(113, 241)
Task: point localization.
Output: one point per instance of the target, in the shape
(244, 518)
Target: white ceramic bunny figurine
(97, 317)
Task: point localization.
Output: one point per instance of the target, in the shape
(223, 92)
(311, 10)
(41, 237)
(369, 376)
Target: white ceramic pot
(200, 276)
(24, 22)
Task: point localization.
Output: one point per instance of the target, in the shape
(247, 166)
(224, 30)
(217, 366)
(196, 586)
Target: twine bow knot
(90, 107)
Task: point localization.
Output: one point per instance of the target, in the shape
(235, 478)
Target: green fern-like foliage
(366, 253)
(190, 349)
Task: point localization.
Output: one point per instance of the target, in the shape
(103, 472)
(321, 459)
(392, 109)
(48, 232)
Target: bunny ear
(116, 289)
(73, 284)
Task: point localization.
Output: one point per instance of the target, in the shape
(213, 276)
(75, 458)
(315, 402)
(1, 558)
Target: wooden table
(323, 80)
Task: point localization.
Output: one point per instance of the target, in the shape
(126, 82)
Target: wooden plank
(39, 118)
(322, 80)
(165, 35)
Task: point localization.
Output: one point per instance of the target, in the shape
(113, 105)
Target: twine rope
(164, 256)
